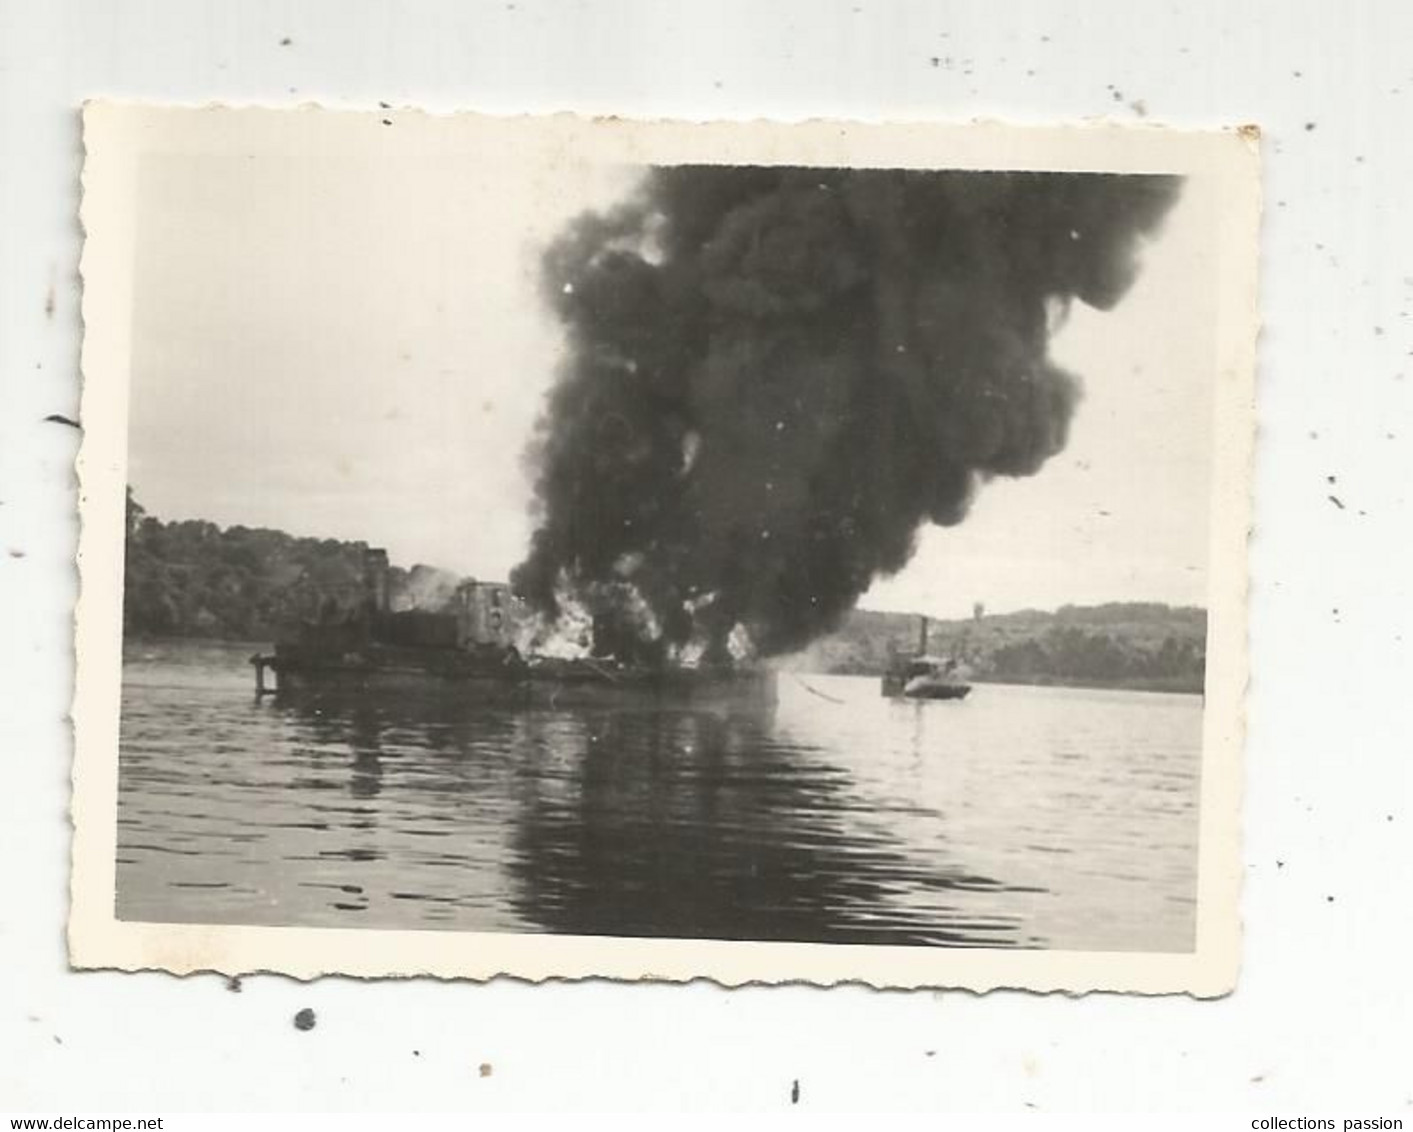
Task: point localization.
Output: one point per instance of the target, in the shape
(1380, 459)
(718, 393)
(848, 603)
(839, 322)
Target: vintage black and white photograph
(759, 552)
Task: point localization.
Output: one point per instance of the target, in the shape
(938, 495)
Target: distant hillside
(195, 579)
(1119, 645)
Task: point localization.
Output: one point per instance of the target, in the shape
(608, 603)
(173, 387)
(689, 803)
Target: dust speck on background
(795, 1092)
(486, 1069)
(304, 1020)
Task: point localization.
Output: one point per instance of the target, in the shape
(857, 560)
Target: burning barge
(469, 651)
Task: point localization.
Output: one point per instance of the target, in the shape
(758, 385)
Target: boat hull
(940, 692)
(472, 680)
(899, 687)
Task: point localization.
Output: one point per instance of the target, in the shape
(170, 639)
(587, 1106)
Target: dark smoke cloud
(776, 375)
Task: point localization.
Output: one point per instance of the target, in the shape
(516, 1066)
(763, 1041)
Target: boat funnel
(375, 579)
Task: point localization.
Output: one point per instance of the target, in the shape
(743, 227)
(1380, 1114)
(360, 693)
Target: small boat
(926, 678)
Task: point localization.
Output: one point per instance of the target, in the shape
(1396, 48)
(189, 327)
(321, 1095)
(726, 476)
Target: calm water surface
(1026, 817)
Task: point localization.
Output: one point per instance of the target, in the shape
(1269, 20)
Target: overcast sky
(357, 349)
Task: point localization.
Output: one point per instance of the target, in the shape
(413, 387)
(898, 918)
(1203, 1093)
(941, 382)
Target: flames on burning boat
(486, 644)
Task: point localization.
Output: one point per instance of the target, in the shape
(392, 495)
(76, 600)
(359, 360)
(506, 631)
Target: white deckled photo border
(1221, 167)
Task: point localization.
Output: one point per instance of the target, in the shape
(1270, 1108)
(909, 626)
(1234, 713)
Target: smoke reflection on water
(706, 827)
(871, 822)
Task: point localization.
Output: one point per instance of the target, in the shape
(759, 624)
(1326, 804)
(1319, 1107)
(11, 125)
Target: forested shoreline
(1136, 645)
(192, 578)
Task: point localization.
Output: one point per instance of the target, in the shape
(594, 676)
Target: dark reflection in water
(1026, 817)
(698, 825)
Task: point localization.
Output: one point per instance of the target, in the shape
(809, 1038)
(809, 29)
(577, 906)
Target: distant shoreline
(1165, 686)
(1175, 685)
(195, 581)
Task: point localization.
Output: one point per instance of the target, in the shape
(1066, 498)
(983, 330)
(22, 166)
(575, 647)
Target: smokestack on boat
(375, 579)
(922, 635)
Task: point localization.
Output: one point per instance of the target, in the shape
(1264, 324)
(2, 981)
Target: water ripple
(1022, 817)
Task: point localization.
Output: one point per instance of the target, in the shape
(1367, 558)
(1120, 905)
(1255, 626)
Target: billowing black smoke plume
(776, 375)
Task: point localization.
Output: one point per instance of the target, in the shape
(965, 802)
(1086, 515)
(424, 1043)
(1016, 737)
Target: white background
(1320, 1021)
